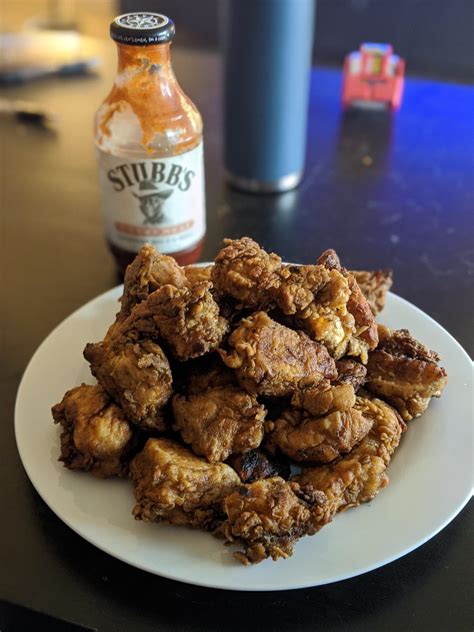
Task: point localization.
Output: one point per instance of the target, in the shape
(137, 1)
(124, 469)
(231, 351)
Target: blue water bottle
(267, 47)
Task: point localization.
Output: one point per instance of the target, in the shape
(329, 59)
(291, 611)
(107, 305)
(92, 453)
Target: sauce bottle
(149, 148)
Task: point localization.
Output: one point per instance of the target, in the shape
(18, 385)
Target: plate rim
(115, 291)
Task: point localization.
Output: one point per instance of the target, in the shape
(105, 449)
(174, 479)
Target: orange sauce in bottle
(149, 147)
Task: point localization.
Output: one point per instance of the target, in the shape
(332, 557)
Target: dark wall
(434, 36)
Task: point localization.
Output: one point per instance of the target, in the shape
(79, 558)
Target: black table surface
(382, 190)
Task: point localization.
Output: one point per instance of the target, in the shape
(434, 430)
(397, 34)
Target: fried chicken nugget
(96, 437)
(365, 335)
(323, 439)
(387, 428)
(267, 517)
(137, 374)
(186, 318)
(271, 359)
(325, 300)
(244, 271)
(374, 285)
(324, 398)
(149, 271)
(357, 477)
(220, 421)
(175, 486)
(405, 373)
(316, 299)
(298, 285)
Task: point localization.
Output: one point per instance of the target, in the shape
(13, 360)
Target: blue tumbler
(267, 47)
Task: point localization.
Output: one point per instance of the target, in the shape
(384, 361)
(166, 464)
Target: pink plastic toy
(373, 77)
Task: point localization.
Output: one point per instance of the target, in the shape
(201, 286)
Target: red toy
(373, 76)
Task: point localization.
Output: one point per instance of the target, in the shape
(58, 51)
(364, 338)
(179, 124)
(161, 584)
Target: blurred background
(434, 36)
(401, 184)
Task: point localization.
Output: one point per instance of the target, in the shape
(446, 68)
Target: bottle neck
(145, 93)
(156, 55)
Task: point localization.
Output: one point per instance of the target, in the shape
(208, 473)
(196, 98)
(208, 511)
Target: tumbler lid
(142, 29)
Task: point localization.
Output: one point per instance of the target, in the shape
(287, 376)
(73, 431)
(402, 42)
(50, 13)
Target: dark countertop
(383, 191)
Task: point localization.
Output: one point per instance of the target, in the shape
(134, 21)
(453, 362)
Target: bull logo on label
(151, 202)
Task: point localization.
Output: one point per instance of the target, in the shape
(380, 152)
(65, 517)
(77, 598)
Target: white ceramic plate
(430, 475)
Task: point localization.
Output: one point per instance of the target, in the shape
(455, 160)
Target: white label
(159, 201)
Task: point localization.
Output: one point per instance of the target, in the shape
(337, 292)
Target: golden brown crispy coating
(173, 485)
(96, 437)
(136, 374)
(298, 286)
(255, 465)
(149, 271)
(324, 398)
(354, 479)
(357, 477)
(304, 437)
(317, 300)
(330, 260)
(245, 272)
(229, 311)
(387, 428)
(219, 421)
(374, 285)
(350, 372)
(273, 360)
(267, 517)
(187, 319)
(405, 373)
(196, 274)
(364, 335)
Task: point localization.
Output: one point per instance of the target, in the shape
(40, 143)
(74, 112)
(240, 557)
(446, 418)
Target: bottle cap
(142, 29)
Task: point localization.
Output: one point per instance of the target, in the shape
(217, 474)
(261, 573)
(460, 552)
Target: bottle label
(159, 201)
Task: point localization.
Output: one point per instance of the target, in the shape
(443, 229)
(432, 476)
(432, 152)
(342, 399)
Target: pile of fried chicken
(248, 398)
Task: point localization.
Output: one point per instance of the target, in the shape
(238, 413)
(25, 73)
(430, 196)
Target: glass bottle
(148, 136)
